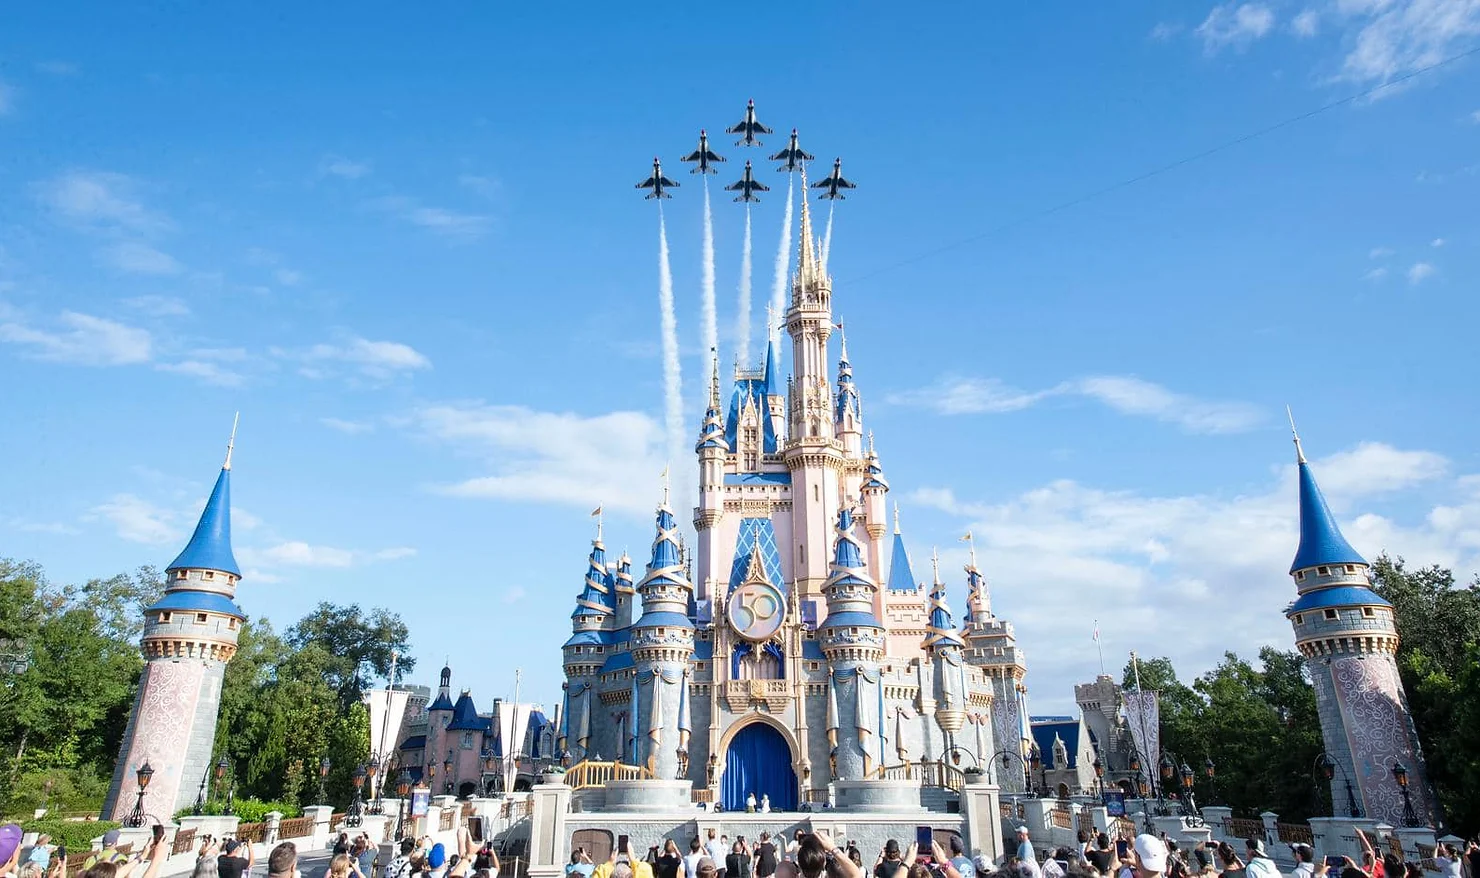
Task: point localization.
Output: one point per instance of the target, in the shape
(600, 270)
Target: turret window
(208, 575)
(1300, 576)
(1323, 571)
(200, 617)
(1351, 568)
(1299, 619)
(1331, 614)
(164, 617)
(1369, 612)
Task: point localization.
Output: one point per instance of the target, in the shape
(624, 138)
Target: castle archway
(758, 761)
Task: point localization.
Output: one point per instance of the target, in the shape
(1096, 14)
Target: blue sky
(407, 248)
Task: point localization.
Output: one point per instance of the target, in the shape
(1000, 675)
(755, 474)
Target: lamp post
(1328, 767)
(356, 808)
(372, 768)
(1189, 804)
(1400, 774)
(143, 775)
(1006, 764)
(323, 776)
(1209, 769)
(489, 763)
(447, 773)
(200, 794)
(1035, 760)
(403, 788)
(1099, 768)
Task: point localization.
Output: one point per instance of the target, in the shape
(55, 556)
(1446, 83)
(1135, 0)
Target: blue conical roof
(901, 577)
(942, 629)
(210, 546)
(597, 597)
(773, 387)
(1321, 541)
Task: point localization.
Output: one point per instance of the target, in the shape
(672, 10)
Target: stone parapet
(878, 796)
(646, 795)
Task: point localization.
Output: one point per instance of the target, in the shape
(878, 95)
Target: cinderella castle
(785, 655)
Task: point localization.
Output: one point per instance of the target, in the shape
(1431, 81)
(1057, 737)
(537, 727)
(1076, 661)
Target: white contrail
(743, 320)
(827, 236)
(672, 380)
(783, 259)
(711, 320)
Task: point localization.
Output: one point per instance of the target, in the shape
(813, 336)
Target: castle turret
(852, 640)
(903, 601)
(978, 594)
(1349, 638)
(596, 608)
(626, 592)
(190, 634)
(712, 449)
(847, 411)
(662, 644)
(874, 489)
(991, 644)
(944, 646)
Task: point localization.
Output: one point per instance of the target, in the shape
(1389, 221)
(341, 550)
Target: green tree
(360, 645)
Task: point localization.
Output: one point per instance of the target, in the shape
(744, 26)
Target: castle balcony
(740, 695)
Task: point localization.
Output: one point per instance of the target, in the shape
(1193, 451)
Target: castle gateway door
(759, 762)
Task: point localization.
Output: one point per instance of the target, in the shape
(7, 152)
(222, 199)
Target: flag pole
(1100, 646)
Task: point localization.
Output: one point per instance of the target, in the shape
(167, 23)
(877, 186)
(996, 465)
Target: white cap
(1152, 852)
(1022, 830)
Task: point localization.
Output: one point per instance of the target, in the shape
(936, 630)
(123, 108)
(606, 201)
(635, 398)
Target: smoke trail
(672, 381)
(783, 259)
(744, 317)
(827, 236)
(711, 321)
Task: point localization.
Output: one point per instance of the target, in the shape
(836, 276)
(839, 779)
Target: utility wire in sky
(1172, 166)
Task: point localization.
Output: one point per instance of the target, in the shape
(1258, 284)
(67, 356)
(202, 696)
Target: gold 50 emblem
(756, 610)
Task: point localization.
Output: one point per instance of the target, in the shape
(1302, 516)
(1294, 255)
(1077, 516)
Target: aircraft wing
(805, 156)
(844, 184)
(737, 129)
(758, 128)
(825, 183)
(694, 156)
(756, 184)
(667, 182)
(735, 186)
(646, 184)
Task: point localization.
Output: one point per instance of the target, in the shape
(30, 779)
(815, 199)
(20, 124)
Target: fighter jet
(833, 182)
(747, 186)
(792, 155)
(703, 155)
(748, 128)
(657, 182)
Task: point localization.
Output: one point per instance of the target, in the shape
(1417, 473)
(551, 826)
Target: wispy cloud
(82, 339)
(134, 257)
(549, 457)
(1394, 37)
(1125, 394)
(158, 306)
(1306, 23)
(296, 553)
(488, 187)
(1419, 272)
(339, 166)
(376, 359)
(100, 200)
(1437, 242)
(205, 371)
(1379, 252)
(1163, 31)
(1375, 274)
(139, 521)
(451, 224)
(351, 428)
(1235, 25)
(1475, 117)
(25, 525)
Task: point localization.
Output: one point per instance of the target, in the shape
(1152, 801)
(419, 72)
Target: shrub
(77, 835)
(249, 810)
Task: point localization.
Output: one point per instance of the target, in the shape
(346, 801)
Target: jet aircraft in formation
(833, 182)
(793, 156)
(747, 186)
(657, 182)
(748, 128)
(704, 156)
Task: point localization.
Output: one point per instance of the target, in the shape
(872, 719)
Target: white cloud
(82, 340)
(100, 200)
(296, 553)
(288, 277)
(350, 427)
(1235, 24)
(41, 527)
(514, 594)
(488, 187)
(965, 396)
(206, 372)
(1132, 396)
(1127, 557)
(1375, 274)
(1307, 23)
(1419, 272)
(1379, 252)
(1475, 117)
(378, 359)
(1125, 394)
(133, 257)
(138, 520)
(1437, 242)
(338, 166)
(158, 306)
(441, 221)
(611, 459)
(1164, 31)
(1396, 37)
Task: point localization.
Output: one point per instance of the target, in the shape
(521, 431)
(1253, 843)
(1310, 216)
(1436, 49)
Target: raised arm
(943, 861)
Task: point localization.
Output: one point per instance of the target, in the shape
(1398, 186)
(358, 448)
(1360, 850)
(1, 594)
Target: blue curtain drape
(759, 762)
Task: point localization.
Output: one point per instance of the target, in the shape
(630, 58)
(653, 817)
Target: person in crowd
(815, 851)
(706, 868)
(1447, 861)
(364, 853)
(1230, 865)
(282, 862)
(341, 844)
(915, 869)
(715, 850)
(400, 864)
(765, 857)
(1101, 856)
(1305, 861)
(1024, 850)
(631, 868)
(580, 865)
(692, 858)
(235, 860)
(108, 853)
(959, 859)
(738, 861)
(889, 860)
(1148, 856)
(1259, 864)
(154, 853)
(345, 866)
(437, 861)
(670, 862)
(207, 861)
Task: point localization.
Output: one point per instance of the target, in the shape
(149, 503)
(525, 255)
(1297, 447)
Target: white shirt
(1303, 870)
(716, 850)
(691, 863)
(1449, 868)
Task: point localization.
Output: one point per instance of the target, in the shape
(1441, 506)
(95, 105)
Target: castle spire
(1321, 542)
(210, 544)
(901, 576)
(941, 630)
(231, 443)
(1299, 452)
(806, 255)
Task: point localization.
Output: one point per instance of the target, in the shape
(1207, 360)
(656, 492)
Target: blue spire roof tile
(1321, 541)
(210, 545)
(901, 577)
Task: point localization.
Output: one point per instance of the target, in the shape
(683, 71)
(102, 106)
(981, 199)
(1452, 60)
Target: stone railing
(701, 796)
(930, 774)
(597, 774)
(184, 841)
(1061, 818)
(1294, 833)
(335, 820)
(254, 833)
(449, 816)
(296, 827)
(1244, 827)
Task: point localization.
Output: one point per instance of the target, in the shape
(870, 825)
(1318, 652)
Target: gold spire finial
(231, 443)
(1299, 452)
(806, 257)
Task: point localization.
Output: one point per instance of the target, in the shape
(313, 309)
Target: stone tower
(852, 641)
(662, 644)
(991, 645)
(190, 634)
(1349, 639)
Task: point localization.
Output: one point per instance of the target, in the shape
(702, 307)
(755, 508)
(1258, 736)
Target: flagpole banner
(382, 708)
(1142, 714)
